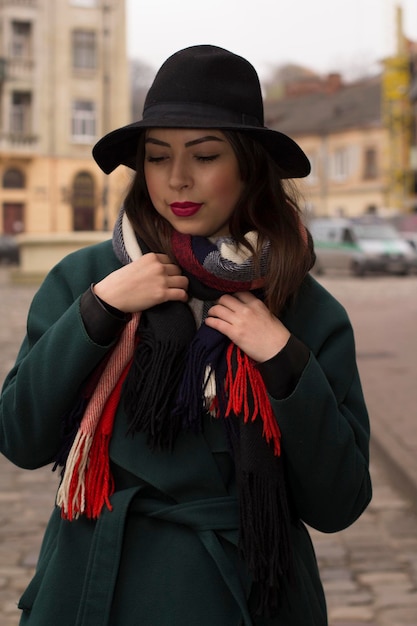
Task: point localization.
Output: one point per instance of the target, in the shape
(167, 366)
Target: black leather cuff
(282, 372)
(102, 321)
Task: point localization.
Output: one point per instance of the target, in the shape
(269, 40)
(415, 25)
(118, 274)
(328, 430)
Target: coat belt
(208, 518)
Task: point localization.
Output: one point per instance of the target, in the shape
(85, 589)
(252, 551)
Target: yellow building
(342, 133)
(360, 137)
(359, 147)
(63, 84)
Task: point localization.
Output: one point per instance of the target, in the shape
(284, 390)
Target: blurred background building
(360, 136)
(63, 84)
(66, 80)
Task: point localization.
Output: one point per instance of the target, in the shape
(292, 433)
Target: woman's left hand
(246, 321)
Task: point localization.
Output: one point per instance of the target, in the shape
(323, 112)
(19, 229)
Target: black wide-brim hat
(203, 87)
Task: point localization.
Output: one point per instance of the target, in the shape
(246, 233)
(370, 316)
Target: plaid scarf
(169, 375)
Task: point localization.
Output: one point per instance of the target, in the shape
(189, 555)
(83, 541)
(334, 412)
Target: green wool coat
(166, 554)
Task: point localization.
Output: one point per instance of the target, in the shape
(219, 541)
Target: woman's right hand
(152, 279)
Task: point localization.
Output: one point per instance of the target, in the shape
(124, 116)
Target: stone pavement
(383, 312)
(369, 570)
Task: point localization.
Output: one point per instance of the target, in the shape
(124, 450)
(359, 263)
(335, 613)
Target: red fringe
(247, 376)
(99, 483)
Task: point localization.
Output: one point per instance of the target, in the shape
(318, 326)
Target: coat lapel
(189, 471)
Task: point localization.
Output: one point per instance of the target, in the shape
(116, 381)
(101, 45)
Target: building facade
(361, 162)
(342, 133)
(361, 137)
(63, 84)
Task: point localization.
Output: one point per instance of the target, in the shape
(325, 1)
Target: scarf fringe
(87, 483)
(200, 379)
(71, 493)
(156, 371)
(264, 538)
(245, 386)
(99, 481)
(98, 418)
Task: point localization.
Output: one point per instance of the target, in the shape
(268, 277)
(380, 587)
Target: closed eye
(207, 159)
(155, 159)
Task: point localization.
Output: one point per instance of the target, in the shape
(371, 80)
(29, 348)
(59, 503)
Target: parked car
(9, 250)
(361, 246)
(407, 226)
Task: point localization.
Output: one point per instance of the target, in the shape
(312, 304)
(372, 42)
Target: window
(84, 49)
(20, 113)
(345, 162)
(83, 123)
(370, 165)
(13, 179)
(21, 40)
(340, 163)
(83, 202)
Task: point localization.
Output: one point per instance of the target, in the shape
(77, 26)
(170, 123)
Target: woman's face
(193, 179)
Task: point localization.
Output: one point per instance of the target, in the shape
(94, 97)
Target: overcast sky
(325, 35)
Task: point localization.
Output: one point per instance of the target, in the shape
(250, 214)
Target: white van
(360, 246)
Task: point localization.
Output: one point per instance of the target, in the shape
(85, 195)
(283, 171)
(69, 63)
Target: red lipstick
(185, 209)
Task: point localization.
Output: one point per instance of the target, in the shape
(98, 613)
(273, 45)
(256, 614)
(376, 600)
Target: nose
(180, 176)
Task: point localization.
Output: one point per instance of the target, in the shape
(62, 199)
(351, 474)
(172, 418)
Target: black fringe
(264, 538)
(265, 516)
(206, 350)
(151, 385)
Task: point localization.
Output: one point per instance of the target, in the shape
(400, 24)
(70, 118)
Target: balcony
(16, 69)
(19, 143)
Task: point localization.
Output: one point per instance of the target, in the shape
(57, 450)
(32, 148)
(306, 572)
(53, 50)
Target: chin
(199, 230)
(194, 232)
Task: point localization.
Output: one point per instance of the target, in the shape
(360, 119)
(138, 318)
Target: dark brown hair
(267, 205)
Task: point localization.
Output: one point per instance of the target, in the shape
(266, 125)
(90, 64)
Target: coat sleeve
(325, 426)
(55, 358)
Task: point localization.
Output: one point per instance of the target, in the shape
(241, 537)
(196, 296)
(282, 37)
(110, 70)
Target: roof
(357, 105)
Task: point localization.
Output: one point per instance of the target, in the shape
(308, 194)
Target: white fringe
(80, 450)
(209, 389)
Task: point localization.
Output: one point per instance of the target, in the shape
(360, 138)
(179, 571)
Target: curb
(400, 462)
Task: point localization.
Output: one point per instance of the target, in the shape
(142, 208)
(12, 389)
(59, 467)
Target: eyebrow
(188, 144)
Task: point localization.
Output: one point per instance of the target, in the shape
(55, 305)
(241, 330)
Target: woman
(197, 386)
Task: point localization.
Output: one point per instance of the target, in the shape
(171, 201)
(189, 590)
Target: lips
(185, 209)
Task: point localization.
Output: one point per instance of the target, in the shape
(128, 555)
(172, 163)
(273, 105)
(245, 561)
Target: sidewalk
(384, 318)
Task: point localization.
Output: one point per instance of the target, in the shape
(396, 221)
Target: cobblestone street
(369, 570)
